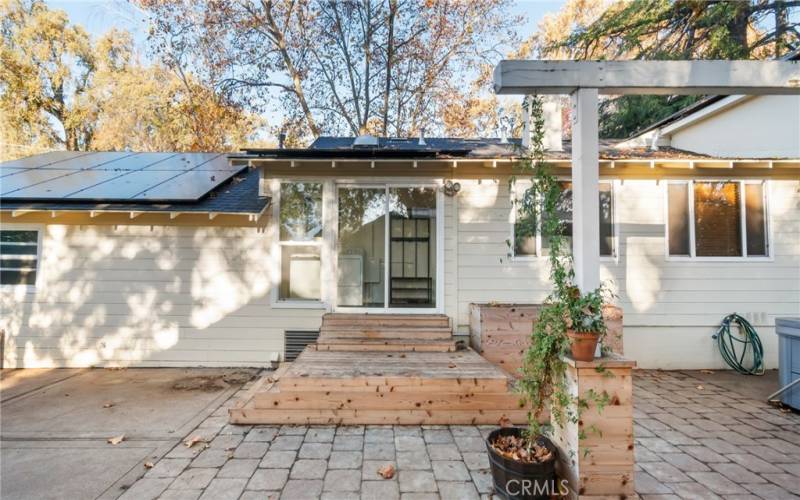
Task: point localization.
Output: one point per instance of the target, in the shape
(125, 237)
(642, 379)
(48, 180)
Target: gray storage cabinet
(788, 330)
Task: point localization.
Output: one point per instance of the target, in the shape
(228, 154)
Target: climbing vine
(566, 307)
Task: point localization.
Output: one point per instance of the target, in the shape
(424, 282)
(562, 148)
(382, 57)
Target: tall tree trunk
(781, 20)
(738, 29)
(297, 83)
(389, 63)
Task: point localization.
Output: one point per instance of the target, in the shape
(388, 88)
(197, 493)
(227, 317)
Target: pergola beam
(648, 77)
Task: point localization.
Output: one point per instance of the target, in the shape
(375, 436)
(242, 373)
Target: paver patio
(693, 440)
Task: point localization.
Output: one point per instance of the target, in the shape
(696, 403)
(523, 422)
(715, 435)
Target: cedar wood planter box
(501, 332)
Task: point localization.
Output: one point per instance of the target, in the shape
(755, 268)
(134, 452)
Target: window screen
(678, 219)
(755, 219)
(725, 219)
(524, 227)
(717, 220)
(18, 257)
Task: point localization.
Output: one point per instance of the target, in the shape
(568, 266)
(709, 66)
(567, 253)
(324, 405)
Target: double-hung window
(19, 256)
(718, 219)
(300, 241)
(527, 241)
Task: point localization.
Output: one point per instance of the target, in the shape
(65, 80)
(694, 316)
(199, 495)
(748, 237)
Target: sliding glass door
(387, 247)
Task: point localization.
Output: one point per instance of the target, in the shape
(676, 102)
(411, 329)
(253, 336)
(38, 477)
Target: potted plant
(569, 321)
(584, 320)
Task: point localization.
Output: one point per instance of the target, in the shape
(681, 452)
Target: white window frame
(39, 228)
(277, 245)
(614, 257)
(767, 187)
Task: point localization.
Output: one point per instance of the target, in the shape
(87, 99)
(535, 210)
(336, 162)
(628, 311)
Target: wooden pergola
(585, 80)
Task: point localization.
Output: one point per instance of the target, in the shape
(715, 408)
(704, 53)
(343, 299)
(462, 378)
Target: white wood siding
(671, 308)
(142, 296)
(759, 127)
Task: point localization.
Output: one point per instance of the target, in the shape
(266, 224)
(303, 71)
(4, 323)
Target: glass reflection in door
(361, 257)
(412, 247)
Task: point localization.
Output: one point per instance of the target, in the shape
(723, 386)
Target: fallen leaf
(116, 439)
(108, 405)
(148, 465)
(451, 365)
(504, 421)
(387, 471)
(194, 440)
(707, 372)
(700, 387)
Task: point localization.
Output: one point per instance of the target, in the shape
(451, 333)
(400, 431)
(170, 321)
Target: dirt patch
(213, 383)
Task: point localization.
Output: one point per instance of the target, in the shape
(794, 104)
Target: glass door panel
(362, 247)
(412, 247)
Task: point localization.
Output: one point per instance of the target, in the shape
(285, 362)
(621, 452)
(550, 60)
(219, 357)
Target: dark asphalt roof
(239, 195)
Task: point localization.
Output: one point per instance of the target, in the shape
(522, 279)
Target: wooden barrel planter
(516, 480)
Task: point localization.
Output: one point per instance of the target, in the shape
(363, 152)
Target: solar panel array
(115, 176)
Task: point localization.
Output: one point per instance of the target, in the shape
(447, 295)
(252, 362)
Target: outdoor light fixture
(451, 188)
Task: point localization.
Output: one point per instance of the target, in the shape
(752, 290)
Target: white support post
(585, 191)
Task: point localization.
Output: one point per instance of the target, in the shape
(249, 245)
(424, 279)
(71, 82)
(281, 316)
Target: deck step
(411, 333)
(391, 344)
(385, 387)
(348, 400)
(386, 320)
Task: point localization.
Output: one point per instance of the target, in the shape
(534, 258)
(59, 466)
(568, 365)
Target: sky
(97, 17)
(100, 16)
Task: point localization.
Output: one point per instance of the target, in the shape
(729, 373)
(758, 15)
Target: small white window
(527, 243)
(720, 219)
(19, 256)
(300, 241)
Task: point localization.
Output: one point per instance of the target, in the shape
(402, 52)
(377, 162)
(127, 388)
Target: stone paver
(268, 479)
(689, 444)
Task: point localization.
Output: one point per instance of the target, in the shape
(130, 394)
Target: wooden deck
(372, 384)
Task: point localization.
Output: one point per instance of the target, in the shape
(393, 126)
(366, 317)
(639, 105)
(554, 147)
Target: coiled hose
(747, 340)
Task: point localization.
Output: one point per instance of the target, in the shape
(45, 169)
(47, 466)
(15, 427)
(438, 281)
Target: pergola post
(585, 189)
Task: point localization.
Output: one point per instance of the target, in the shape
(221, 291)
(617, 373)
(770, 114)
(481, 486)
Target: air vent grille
(296, 341)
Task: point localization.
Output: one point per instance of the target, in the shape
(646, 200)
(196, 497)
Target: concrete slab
(55, 424)
(141, 403)
(14, 383)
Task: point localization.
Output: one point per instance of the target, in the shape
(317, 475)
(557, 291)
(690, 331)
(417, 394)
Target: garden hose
(747, 340)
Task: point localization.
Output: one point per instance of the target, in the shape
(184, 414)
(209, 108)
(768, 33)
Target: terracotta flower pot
(583, 344)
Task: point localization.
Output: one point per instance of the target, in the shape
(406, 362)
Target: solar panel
(28, 178)
(115, 176)
(90, 161)
(41, 160)
(52, 184)
(190, 185)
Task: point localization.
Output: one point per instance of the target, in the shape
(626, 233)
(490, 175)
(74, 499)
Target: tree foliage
(59, 88)
(387, 67)
(664, 29)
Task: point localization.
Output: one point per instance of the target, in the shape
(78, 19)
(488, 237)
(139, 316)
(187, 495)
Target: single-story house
(201, 259)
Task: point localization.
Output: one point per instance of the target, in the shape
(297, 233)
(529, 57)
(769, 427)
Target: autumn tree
(388, 67)
(664, 29)
(59, 88)
(47, 69)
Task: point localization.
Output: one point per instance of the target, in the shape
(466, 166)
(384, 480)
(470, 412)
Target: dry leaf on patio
(700, 387)
(194, 440)
(504, 421)
(707, 372)
(148, 465)
(451, 365)
(387, 471)
(108, 405)
(116, 439)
